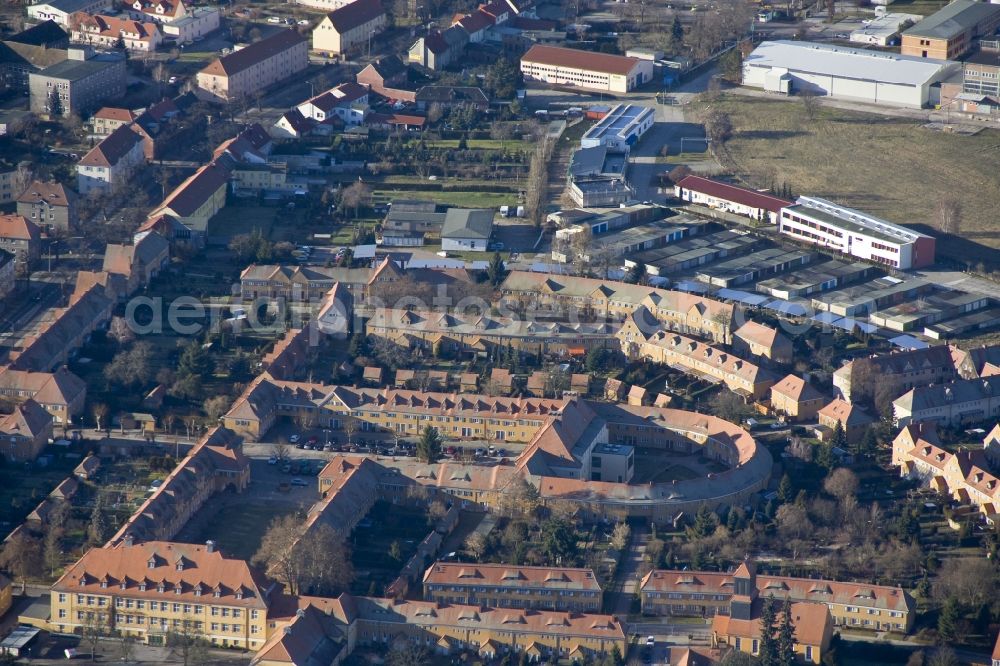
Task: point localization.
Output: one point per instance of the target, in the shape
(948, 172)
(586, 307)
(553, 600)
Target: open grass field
(889, 167)
(238, 527)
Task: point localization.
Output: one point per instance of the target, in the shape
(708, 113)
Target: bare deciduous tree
(948, 215)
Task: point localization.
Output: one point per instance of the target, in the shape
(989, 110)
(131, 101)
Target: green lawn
(234, 219)
(889, 167)
(458, 199)
(483, 144)
(239, 527)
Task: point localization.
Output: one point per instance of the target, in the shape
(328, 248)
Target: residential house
(475, 25)
(439, 49)
(138, 262)
(61, 393)
(111, 163)
(82, 82)
(741, 628)
(50, 205)
(643, 309)
(67, 488)
(898, 372)
(467, 230)
(109, 118)
(854, 420)
(177, 21)
(61, 11)
(215, 464)
(106, 31)
(7, 273)
(447, 97)
(614, 390)
(796, 399)
(31, 50)
(253, 68)
(505, 586)
(24, 432)
(373, 375)
(313, 283)
(56, 339)
(747, 379)
(501, 382)
(349, 27)
(154, 125)
(193, 203)
(460, 334)
(959, 403)
(966, 476)
(754, 339)
(21, 237)
(709, 593)
(88, 468)
(389, 77)
(347, 101)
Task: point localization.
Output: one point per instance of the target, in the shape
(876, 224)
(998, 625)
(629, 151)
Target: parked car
(273, 460)
(299, 482)
(294, 439)
(274, 19)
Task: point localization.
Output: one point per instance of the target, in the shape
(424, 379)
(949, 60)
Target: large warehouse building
(822, 222)
(846, 73)
(585, 69)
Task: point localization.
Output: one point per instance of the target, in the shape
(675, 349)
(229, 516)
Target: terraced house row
(708, 593)
(578, 451)
(149, 590)
(674, 310)
(510, 586)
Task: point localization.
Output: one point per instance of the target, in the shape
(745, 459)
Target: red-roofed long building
(588, 70)
(730, 198)
(254, 68)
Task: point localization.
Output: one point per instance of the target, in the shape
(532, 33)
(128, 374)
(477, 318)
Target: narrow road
(626, 582)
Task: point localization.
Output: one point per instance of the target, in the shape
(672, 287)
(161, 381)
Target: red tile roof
(16, 227)
(558, 56)
(355, 14)
(734, 193)
(112, 113)
(249, 56)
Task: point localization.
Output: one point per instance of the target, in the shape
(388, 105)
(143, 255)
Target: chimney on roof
(210, 546)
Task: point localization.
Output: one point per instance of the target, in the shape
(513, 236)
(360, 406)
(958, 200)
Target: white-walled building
(348, 101)
(467, 229)
(255, 67)
(61, 10)
(349, 26)
(109, 164)
(730, 198)
(875, 77)
(621, 128)
(821, 222)
(588, 70)
(883, 30)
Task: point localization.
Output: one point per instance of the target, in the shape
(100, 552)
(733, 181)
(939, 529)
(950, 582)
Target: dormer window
(104, 584)
(151, 563)
(177, 589)
(142, 587)
(180, 566)
(122, 585)
(217, 593)
(161, 588)
(239, 594)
